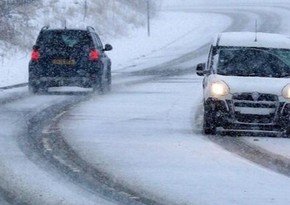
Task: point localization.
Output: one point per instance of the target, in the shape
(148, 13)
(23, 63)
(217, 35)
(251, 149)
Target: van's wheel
(209, 127)
(209, 123)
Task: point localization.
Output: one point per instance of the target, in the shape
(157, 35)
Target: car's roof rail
(90, 28)
(218, 39)
(44, 28)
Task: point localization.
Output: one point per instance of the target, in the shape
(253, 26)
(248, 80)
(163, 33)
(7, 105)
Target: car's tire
(108, 80)
(44, 89)
(33, 89)
(98, 86)
(36, 89)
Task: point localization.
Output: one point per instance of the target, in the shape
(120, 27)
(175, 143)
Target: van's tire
(209, 120)
(209, 126)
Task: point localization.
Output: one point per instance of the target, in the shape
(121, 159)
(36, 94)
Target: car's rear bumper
(64, 81)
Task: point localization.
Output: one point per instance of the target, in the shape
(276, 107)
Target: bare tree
(6, 31)
(7, 9)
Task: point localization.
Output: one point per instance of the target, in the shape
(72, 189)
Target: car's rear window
(67, 38)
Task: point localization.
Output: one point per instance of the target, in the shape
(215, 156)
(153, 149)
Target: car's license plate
(63, 61)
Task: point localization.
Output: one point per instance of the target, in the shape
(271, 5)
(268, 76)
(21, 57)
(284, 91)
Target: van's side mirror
(200, 69)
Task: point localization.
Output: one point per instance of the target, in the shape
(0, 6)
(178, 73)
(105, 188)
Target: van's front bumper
(248, 115)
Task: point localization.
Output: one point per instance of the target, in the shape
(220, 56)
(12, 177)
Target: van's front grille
(255, 96)
(257, 108)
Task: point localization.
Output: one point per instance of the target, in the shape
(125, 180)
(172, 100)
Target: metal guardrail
(15, 2)
(14, 86)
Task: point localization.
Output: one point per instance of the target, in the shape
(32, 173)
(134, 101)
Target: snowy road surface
(146, 133)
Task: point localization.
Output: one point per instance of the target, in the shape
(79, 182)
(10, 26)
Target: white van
(246, 83)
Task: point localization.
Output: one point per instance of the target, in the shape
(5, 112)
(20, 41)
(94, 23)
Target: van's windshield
(254, 62)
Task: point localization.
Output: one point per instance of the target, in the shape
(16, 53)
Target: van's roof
(252, 39)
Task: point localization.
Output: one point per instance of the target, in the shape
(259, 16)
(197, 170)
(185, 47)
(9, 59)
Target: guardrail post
(2, 58)
(148, 17)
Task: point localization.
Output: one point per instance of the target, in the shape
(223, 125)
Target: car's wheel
(44, 89)
(39, 88)
(33, 89)
(98, 86)
(108, 79)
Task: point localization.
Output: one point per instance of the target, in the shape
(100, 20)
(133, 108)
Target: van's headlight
(219, 88)
(286, 91)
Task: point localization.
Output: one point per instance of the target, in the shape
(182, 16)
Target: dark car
(69, 57)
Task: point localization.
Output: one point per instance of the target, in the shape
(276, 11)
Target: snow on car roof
(252, 39)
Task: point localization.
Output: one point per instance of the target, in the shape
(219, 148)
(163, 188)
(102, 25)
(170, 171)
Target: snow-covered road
(146, 133)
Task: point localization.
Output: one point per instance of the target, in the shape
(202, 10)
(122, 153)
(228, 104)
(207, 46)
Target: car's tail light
(35, 55)
(94, 55)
